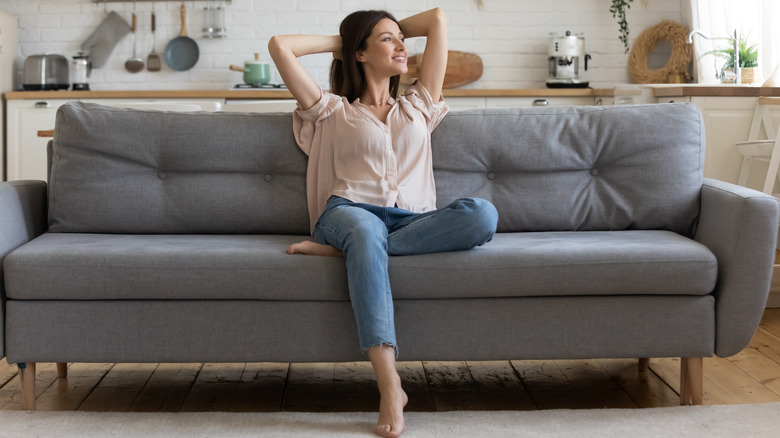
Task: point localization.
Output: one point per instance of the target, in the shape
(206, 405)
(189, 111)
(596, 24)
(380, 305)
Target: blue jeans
(368, 234)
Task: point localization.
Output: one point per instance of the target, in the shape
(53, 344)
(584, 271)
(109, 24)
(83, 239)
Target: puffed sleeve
(422, 101)
(305, 122)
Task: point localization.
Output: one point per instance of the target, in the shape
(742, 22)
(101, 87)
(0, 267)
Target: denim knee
(482, 215)
(346, 226)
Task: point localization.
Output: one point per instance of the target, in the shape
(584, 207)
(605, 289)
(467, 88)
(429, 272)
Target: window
(756, 20)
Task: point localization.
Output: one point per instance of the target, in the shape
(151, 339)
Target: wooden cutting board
(462, 68)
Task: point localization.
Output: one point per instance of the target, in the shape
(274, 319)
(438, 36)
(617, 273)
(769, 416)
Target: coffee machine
(565, 52)
(81, 67)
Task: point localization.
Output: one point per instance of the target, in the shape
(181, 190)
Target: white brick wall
(510, 35)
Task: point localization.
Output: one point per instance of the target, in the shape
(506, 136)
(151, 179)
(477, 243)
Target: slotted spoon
(153, 60)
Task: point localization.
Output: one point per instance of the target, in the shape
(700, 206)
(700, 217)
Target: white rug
(759, 420)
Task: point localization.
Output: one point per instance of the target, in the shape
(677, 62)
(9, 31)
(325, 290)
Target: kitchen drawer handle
(42, 104)
(541, 102)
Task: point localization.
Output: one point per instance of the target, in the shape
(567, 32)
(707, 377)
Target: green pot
(257, 73)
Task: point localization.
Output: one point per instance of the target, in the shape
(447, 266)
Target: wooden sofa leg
(27, 377)
(62, 370)
(691, 380)
(644, 363)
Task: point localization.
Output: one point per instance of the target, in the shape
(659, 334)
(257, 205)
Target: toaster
(46, 72)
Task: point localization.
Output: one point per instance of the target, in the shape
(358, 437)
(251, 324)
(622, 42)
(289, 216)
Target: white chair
(766, 150)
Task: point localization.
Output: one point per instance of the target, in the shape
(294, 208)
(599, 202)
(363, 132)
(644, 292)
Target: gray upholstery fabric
(322, 331)
(167, 233)
(550, 169)
(576, 168)
(740, 226)
(66, 266)
(131, 171)
(22, 218)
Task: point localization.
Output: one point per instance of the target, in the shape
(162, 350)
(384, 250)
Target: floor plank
(759, 367)
(452, 386)
(309, 387)
(499, 386)
(771, 321)
(7, 372)
(117, 391)
(215, 387)
(767, 343)
(548, 385)
(167, 388)
(11, 392)
(68, 394)
(644, 387)
(415, 385)
(261, 388)
(739, 385)
(597, 387)
(354, 387)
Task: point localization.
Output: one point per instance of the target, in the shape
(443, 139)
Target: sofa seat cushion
(66, 266)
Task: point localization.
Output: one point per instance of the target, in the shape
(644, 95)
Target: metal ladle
(134, 64)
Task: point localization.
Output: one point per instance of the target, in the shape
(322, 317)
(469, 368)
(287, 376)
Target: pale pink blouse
(352, 154)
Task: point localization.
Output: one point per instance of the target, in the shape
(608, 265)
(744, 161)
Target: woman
(370, 185)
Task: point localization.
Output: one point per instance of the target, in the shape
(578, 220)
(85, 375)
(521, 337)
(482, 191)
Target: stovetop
(278, 86)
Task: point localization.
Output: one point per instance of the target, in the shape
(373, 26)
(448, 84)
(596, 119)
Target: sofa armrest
(22, 213)
(739, 225)
(22, 218)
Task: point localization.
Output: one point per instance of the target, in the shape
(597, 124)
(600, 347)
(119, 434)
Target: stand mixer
(563, 63)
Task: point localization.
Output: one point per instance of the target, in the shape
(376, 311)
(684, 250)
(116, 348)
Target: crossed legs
(365, 235)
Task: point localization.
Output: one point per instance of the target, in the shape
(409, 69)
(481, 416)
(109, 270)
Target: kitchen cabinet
(539, 101)
(727, 121)
(26, 152)
(260, 106)
(464, 103)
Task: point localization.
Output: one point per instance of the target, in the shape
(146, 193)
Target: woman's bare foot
(391, 413)
(307, 247)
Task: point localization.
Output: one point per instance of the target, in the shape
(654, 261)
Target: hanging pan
(182, 52)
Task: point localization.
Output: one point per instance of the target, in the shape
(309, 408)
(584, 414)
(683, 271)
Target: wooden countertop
(659, 90)
(245, 94)
(678, 90)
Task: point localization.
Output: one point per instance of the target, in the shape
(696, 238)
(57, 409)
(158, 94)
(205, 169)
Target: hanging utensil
(134, 64)
(153, 60)
(182, 52)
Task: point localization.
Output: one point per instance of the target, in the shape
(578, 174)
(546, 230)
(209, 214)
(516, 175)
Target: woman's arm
(433, 25)
(285, 51)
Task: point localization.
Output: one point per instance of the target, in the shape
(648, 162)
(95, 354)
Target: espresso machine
(565, 52)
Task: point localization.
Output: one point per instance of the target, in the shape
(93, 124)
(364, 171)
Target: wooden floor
(752, 376)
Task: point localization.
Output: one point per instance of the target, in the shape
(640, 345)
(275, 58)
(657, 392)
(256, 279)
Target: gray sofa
(160, 237)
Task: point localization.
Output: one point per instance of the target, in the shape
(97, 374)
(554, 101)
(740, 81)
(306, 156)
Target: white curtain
(756, 20)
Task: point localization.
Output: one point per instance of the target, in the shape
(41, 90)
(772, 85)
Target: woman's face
(385, 52)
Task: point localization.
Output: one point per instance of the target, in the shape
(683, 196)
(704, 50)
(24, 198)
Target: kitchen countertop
(659, 90)
(677, 90)
(248, 94)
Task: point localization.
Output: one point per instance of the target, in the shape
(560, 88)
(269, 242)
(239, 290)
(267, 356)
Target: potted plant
(748, 59)
(618, 10)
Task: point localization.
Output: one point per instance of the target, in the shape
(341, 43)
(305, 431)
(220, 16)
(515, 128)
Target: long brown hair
(347, 77)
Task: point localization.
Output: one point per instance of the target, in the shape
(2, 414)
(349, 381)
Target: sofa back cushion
(576, 168)
(139, 171)
(571, 168)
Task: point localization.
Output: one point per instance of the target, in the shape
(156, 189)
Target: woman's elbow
(274, 44)
(439, 15)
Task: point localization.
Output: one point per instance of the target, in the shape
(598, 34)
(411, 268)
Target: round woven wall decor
(682, 52)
